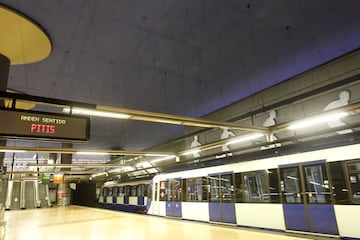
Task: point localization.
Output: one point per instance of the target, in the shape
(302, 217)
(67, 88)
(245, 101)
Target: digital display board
(29, 124)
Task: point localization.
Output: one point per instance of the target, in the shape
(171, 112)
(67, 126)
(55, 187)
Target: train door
(221, 205)
(126, 194)
(173, 202)
(141, 194)
(307, 200)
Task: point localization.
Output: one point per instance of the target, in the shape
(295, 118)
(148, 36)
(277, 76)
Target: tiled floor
(95, 224)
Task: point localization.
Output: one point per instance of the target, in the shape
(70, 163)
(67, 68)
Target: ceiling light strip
(244, 138)
(98, 113)
(181, 120)
(317, 120)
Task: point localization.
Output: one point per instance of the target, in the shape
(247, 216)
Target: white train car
(315, 192)
(128, 197)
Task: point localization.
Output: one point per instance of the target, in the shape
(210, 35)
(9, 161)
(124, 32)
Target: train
(127, 197)
(313, 192)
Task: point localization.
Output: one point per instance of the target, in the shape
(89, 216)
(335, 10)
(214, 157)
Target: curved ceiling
(187, 57)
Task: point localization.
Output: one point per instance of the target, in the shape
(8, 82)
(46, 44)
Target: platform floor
(79, 223)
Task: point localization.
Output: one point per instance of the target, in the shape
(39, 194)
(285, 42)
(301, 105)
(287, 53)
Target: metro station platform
(78, 223)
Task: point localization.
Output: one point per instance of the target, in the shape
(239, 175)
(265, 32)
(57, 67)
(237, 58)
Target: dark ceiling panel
(188, 57)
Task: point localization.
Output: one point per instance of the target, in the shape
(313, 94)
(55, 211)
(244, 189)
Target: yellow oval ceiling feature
(22, 40)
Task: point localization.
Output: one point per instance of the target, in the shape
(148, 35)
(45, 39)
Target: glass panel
(204, 189)
(147, 190)
(238, 188)
(169, 190)
(274, 185)
(227, 188)
(196, 189)
(126, 191)
(163, 191)
(354, 180)
(256, 187)
(340, 190)
(115, 190)
(121, 191)
(290, 185)
(214, 189)
(191, 189)
(141, 190)
(133, 191)
(317, 184)
(156, 191)
(173, 190)
(177, 190)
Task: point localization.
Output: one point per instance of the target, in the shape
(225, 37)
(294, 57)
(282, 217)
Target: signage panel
(30, 124)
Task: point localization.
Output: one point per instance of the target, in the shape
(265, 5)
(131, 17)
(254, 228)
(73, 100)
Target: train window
(274, 185)
(238, 190)
(354, 180)
(156, 191)
(205, 189)
(173, 189)
(163, 191)
(141, 190)
(196, 189)
(126, 191)
(256, 187)
(214, 188)
(317, 184)
(133, 190)
(221, 188)
(340, 190)
(105, 191)
(121, 191)
(147, 190)
(227, 188)
(290, 185)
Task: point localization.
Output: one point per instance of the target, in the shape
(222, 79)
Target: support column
(65, 157)
(4, 76)
(64, 192)
(52, 159)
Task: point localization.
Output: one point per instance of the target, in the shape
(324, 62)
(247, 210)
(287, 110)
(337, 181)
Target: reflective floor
(87, 223)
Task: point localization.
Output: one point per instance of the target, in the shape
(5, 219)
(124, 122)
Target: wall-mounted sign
(45, 179)
(29, 124)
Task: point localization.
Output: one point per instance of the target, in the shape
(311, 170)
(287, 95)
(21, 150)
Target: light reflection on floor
(93, 224)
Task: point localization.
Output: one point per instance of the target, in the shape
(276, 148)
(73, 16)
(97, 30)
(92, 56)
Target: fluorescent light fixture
(98, 113)
(314, 121)
(11, 151)
(127, 169)
(162, 159)
(156, 119)
(156, 155)
(191, 152)
(92, 153)
(98, 174)
(144, 165)
(245, 138)
(115, 170)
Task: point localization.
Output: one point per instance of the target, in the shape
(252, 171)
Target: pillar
(4, 76)
(64, 192)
